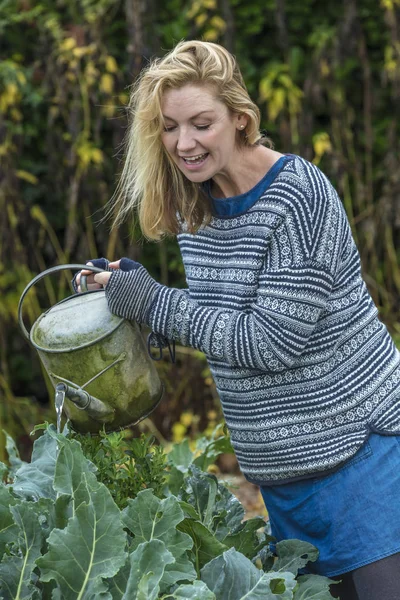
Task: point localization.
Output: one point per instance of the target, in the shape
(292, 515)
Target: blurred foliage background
(326, 76)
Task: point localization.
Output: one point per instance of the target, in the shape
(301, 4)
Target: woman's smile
(195, 162)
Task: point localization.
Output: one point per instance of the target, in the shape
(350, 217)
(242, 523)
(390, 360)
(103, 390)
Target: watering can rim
(37, 323)
(57, 268)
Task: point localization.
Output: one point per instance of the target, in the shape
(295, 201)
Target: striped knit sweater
(303, 366)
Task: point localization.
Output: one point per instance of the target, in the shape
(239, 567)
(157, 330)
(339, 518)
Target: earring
(242, 127)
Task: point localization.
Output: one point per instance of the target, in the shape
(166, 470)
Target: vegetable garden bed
(91, 519)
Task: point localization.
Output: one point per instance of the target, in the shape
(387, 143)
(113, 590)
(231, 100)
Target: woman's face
(200, 132)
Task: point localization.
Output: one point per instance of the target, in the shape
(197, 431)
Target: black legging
(379, 580)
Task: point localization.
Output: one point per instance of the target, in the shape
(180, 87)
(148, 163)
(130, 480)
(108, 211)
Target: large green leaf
(148, 562)
(179, 459)
(189, 510)
(93, 544)
(71, 464)
(16, 570)
(203, 496)
(294, 555)
(313, 587)
(230, 513)
(233, 576)
(53, 515)
(150, 518)
(8, 528)
(196, 591)
(181, 569)
(246, 540)
(34, 480)
(205, 544)
(117, 584)
(181, 456)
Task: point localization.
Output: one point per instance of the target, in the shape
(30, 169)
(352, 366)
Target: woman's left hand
(96, 281)
(103, 278)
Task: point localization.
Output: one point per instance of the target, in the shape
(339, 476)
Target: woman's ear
(242, 121)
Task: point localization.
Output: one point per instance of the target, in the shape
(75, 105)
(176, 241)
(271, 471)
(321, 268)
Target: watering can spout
(95, 408)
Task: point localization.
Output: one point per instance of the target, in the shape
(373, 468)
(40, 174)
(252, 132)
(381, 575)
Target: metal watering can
(97, 362)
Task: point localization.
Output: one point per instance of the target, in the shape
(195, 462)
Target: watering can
(97, 362)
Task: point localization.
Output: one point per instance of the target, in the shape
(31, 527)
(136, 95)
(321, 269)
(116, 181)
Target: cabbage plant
(63, 536)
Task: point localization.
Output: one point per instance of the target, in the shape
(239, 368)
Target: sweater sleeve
(270, 336)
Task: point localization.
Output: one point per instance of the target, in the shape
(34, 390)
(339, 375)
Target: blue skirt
(352, 515)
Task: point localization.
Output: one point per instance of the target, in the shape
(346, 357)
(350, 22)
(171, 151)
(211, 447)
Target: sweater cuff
(130, 294)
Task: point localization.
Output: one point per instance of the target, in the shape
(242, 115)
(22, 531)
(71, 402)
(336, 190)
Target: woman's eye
(201, 127)
(171, 128)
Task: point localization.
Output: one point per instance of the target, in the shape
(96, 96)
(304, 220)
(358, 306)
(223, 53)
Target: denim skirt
(352, 515)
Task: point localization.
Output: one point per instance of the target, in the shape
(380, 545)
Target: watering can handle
(38, 278)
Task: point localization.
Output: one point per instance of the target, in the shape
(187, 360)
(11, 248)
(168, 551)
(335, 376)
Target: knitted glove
(101, 263)
(130, 291)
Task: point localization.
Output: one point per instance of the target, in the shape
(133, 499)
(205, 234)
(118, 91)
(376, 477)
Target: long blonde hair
(150, 181)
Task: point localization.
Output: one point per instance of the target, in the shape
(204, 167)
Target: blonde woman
(308, 377)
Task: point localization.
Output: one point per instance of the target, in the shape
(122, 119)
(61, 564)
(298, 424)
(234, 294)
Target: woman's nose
(185, 141)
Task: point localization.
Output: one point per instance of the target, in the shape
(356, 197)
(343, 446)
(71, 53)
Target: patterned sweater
(303, 366)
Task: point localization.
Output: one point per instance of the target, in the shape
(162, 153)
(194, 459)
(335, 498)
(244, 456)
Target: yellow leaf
(91, 73)
(321, 144)
(111, 64)
(106, 83)
(67, 44)
(27, 177)
(38, 215)
(210, 4)
(9, 97)
(84, 153)
(201, 19)
(123, 98)
(390, 4)
(178, 432)
(108, 110)
(12, 217)
(285, 80)
(265, 89)
(186, 418)
(79, 52)
(276, 103)
(194, 9)
(97, 156)
(21, 77)
(214, 469)
(211, 35)
(218, 23)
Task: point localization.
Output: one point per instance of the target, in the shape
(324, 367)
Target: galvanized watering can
(96, 361)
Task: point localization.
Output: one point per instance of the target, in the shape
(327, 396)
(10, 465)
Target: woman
(308, 377)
